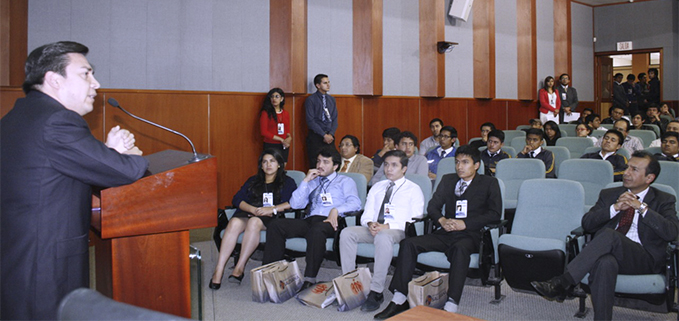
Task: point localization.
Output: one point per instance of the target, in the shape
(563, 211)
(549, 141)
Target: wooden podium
(142, 232)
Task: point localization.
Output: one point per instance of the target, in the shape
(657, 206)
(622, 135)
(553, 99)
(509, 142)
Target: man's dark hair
(534, 120)
(654, 71)
(631, 77)
(319, 78)
(391, 132)
(653, 164)
(354, 141)
(499, 134)
(590, 118)
(406, 134)
(563, 75)
(641, 75)
(49, 57)
(469, 151)
(535, 131)
(621, 138)
(617, 75)
(332, 153)
(403, 159)
(451, 130)
(673, 121)
(668, 134)
(626, 122)
(436, 120)
(653, 105)
(487, 124)
(610, 110)
(589, 109)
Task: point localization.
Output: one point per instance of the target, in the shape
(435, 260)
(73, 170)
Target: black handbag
(222, 222)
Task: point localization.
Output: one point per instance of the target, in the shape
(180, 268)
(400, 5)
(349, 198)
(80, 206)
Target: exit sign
(625, 45)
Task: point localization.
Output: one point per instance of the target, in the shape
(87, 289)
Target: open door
(604, 84)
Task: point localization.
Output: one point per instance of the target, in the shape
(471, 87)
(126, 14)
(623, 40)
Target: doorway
(631, 62)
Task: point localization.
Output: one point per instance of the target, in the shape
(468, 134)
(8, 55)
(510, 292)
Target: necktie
(443, 153)
(461, 189)
(532, 154)
(345, 167)
(326, 113)
(387, 196)
(625, 221)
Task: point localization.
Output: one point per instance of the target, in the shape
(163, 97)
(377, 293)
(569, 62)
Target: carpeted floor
(233, 302)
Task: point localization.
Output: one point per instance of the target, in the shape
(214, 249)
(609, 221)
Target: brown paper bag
(282, 281)
(320, 295)
(352, 288)
(431, 290)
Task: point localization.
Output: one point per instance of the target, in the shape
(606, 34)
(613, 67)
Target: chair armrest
(579, 231)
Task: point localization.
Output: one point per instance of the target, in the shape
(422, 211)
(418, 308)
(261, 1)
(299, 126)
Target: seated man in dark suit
(494, 153)
(610, 143)
(616, 113)
(534, 149)
(485, 129)
(472, 201)
(669, 147)
(632, 225)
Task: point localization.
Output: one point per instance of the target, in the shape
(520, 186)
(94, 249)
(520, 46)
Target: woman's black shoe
(236, 279)
(214, 286)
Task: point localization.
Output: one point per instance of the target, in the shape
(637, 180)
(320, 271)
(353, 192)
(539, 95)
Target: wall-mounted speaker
(460, 9)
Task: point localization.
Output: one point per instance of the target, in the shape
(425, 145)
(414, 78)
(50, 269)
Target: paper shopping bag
(431, 289)
(320, 295)
(282, 281)
(352, 288)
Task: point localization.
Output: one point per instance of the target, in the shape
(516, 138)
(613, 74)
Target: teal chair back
(568, 129)
(511, 134)
(425, 185)
(561, 154)
(297, 176)
(361, 185)
(653, 150)
(513, 172)
(646, 136)
(592, 174)
(576, 145)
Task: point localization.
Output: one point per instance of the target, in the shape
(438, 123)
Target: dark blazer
(619, 96)
(659, 226)
(49, 161)
(618, 161)
(547, 157)
(571, 97)
(484, 202)
(313, 107)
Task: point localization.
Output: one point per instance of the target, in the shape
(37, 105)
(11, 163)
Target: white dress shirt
(406, 198)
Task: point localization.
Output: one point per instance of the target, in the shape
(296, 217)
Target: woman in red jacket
(550, 103)
(274, 123)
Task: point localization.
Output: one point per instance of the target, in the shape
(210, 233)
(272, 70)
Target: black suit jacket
(484, 202)
(571, 97)
(619, 96)
(49, 161)
(659, 226)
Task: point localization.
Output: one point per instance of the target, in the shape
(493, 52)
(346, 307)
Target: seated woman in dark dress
(258, 201)
(552, 133)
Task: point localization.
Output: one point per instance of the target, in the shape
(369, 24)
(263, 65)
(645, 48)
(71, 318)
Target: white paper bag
(431, 290)
(320, 295)
(282, 281)
(352, 288)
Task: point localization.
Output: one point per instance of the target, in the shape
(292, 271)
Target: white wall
(544, 14)
(401, 48)
(460, 62)
(582, 46)
(506, 50)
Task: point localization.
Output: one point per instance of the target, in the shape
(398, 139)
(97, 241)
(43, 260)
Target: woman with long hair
(552, 132)
(274, 123)
(550, 103)
(258, 201)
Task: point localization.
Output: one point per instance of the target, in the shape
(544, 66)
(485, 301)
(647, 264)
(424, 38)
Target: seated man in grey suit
(352, 161)
(632, 226)
(417, 164)
(471, 201)
(390, 204)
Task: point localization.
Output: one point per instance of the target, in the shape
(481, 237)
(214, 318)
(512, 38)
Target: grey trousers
(384, 250)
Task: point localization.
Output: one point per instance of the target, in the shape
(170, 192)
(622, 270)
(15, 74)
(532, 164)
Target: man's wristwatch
(642, 208)
(275, 211)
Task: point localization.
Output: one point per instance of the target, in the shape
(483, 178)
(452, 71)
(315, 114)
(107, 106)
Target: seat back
(592, 174)
(511, 134)
(655, 128)
(607, 126)
(669, 175)
(425, 185)
(298, 176)
(576, 145)
(653, 150)
(522, 127)
(474, 139)
(646, 136)
(513, 171)
(548, 208)
(361, 185)
(598, 133)
(561, 154)
(568, 129)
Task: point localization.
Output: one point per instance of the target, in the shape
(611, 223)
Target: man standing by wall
(321, 118)
(568, 95)
(49, 162)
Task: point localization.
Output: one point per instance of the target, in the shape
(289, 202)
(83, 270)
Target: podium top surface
(167, 160)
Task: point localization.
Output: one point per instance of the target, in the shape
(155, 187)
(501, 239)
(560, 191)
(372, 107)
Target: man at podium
(49, 161)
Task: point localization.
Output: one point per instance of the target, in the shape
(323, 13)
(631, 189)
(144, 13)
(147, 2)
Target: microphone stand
(196, 158)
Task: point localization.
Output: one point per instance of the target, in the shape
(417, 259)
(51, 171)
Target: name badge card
(389, 211)
(267, 199)
(326, 199)
(461, 209)
(563, 96)
(281, 128)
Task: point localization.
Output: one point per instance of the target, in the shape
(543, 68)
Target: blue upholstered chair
(561, 154)
(576, 145)
(538, 246)
(646, 136)
(513, 172)
(592, 174)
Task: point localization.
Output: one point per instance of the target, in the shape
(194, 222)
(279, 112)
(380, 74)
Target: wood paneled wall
(226, 125)
(13, 41)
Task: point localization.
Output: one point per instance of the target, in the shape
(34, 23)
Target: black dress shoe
(214, 286)
(392, 310)
(554, 289)
(306, 285)
(373, 302)
(236, 279)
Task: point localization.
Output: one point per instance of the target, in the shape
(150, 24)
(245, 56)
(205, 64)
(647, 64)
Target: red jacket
(545, 107)
(268, 127)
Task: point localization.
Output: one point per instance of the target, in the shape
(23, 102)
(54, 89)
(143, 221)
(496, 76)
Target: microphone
(196, 157)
